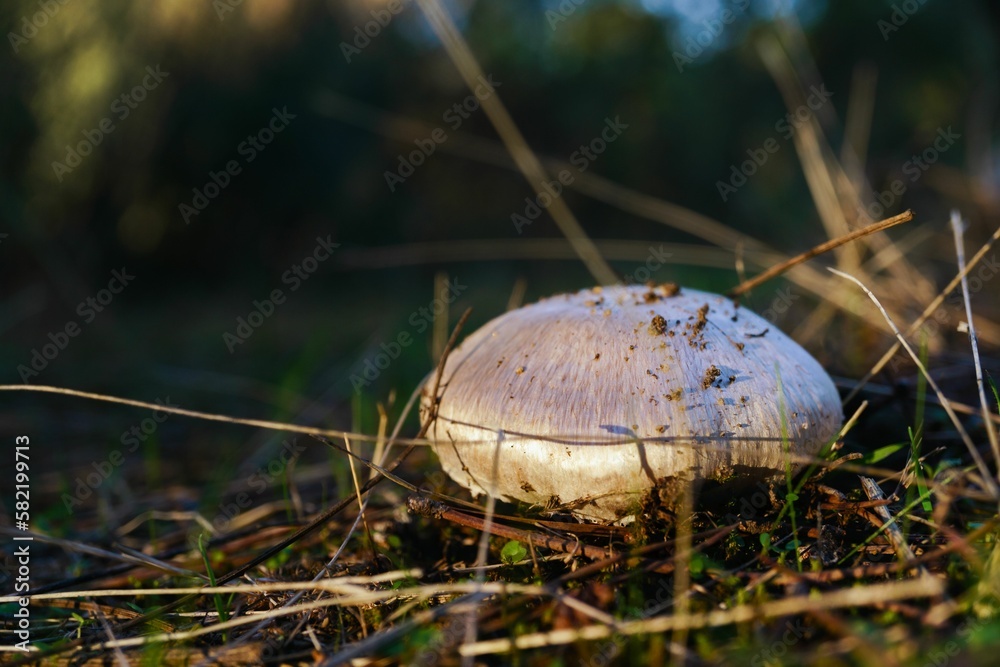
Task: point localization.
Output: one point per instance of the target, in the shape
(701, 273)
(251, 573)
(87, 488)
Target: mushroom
(590, 400)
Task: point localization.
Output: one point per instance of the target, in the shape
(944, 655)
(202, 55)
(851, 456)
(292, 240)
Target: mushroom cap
(589, 400)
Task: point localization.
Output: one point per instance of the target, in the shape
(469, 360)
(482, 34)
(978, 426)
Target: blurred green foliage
(227, 67)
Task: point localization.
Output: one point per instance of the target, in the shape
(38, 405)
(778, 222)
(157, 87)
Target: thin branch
(845, 598)
(991, 431)
(827, 246)
(207, 416)
(432, 508)
(893, 532)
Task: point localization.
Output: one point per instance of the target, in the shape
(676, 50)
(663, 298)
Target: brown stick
(827, 246)
(438, 510)
(602, 558)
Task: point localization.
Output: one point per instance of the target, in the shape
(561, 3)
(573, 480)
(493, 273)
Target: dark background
(324, 176)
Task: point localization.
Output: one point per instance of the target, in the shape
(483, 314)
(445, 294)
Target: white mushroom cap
(597, 397)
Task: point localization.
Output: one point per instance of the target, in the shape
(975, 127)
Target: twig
(703, 539)
(892, 530)
(991, 431)
(207, 416)
(432, 508)
(134, 558)
(345, 586)
(845, 598)
(778, 269)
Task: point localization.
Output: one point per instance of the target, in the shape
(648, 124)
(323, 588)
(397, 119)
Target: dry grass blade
(526, 160)
(485, 151)
(826, 246)
(858, 122)
(128, 556)
(120, 658)
(991, 431)
(207, 416)
(841, 599)
(471, 627)
(682, 573)
(239, 622)
(837, 194)
(350, 587)
(812, 150)
(980, 464)
(925, 315)
(849, 424)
